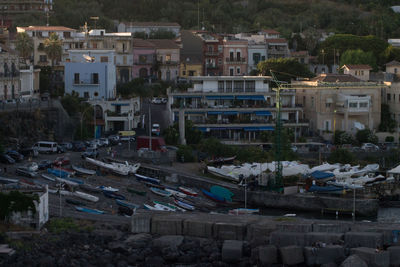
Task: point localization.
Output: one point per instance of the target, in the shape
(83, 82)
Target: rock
(118, 247)
(138, 241)
(215, 256)
(353, 261)
(318, 256)
(122, 263)
(232, 251)
(170, 254)
(267, 255)
(189, 244)
(372, 257)
(327, 238)
(47, 261)
(168, 241)
(363, 239)
(292, 255)
(331, 264)
(394, 255)
(254, 256)
(187, 258)
(284, 239)
(155, 261)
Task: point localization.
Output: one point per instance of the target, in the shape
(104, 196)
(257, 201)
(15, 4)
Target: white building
(256, 54)
(29, 78)
(149, 27)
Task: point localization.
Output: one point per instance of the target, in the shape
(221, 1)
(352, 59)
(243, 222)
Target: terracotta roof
(46, 28)
(152, 23)
(276, 40)
(332, 78)
(393, 63)
(270, 31)
(142, 43)
(358, 67)
(164, 43)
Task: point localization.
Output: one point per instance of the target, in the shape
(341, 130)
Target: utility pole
(149, 124)
(198, 14)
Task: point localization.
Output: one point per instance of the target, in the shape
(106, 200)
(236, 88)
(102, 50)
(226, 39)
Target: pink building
(144, 59)
(235, 57)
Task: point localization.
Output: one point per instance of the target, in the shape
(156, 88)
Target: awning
(263, 113)
(245, 112)
(187, 96)
(220, 97)
(250, 97)
(119, 104)
(195, 112)
(230, 112)
(214, 112)
(261, 128)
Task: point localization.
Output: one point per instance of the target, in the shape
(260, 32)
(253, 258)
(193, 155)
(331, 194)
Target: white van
(46, 147)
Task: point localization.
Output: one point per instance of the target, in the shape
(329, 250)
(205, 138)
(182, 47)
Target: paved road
(159, 114)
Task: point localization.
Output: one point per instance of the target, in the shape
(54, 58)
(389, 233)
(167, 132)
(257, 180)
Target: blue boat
(325, 189)
(110, 194)
(126, 204)
(184, 205)
(213, 196)
(222, 192)
(147, 179)
(160, 192)
(93, 211)
(58, 173)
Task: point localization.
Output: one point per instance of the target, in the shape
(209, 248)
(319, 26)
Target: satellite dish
(88, 58)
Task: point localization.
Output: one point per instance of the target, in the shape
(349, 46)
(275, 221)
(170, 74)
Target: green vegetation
(358, 57)
(366, 136)
(342, 137)
(16, 202)
(389, 139)
(388, 124)
(24, 45)
(341, 156)
(185, 154)
(285, 68)
(58, 225)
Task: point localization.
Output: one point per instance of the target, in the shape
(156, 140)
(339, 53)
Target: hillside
(359, 17)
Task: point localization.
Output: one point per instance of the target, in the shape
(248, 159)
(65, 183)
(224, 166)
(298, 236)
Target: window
(395, 70)
(363, 104)
(168, 74)
(210, 48)
(238, 70)
(94, 45)
(238, 56)
(256, 58)
(312, 101)
(43, 58)
(103, 59)
(250, 86)
(362, 72)
(353, 105)
(327, 105)
(220, 86)
(123, 47)
(67, 34)
(86, 94)
(327, 125)
(388, 97)
(95, 78)
(220, 48)
(184, 72)
(231, 56)
(231, 72)
(228, 86)
(238, 86)
(167, 58)
(220, 61)
(124, 60)
(76, 78)
(263, 58)
(191, 72)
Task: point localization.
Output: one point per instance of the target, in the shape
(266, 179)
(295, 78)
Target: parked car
(90, 153)
(104, 142)
(15, 155)
(28, 152)
(60, 149)
(155, 129)
(164, 100)
(25, 172)
(127, 138)
(44, 164)
(78, 146)
(369, 147)
(4, 158)
(61, 161)
(66, 145)
(156, 100)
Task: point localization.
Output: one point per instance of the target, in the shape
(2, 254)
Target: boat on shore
(188, 191)
(242, 211)
(84, 171)
(126, 204)
(110, 194)
(144, 178)
(69, 171)
(58, 173)
(184, 205)
(66, 181)
(118, 169)
(74, 202)
(108, 188)
(155, 207)
(90, 188)
(137, 192)
(4, 180)
(221, 160)
(92, 211)
(85, 196)
(49, 177)
(160, 192)
(175, 193)
(26, 172)
(171, 206)
(212, 196)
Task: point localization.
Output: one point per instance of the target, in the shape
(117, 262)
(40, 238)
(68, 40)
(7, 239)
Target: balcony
(85, 83)
(211, 53)
(168, 62)
(240, 60)
(211, 66)
(147, 62)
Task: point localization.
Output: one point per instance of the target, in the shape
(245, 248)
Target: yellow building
(188, 69)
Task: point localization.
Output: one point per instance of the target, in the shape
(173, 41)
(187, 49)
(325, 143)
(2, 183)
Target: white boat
(176, 193)
(108, 188)
(62, 192)
(65, 181)
(163, 207)
(49, 177)
(85, 196)
(155, 208)
(83, 170)
(240, 211)
(345, 184)
(120, 169)
(325, 167)
(33, 166)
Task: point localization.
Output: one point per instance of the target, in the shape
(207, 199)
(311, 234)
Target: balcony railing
(211, 53)
(168, 62)
(239, 60)
(85, 83)
(211, 66)
(149, 62)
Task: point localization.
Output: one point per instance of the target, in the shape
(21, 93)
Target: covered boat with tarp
(321, 176)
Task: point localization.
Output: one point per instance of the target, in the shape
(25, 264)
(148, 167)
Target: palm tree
(53, 48)
(24, 45)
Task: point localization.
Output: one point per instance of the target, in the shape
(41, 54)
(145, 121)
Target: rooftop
(164, 43)
(358, 67)
(142, 43)
(270, 31)
(393, 63)
(335, 78)
(44, 28)
(152, 23)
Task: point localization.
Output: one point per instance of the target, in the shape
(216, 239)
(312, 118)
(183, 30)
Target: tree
(341, 156)
(358, 57)
(387, 122)
(366, 136)
(53, 48)
(24, 45)
(171, 135)
(285, 68)
(342, 137)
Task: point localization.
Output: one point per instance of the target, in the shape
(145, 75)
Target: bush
(389, 139)
(341, 137)
(366, 136)
(185, 154)
(59, 225)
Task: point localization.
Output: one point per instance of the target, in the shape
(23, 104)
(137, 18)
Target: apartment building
(9, 75)
(144, 59)
(191, 55)
(149, 27)
(91, 73)
(339, 102)
(235, 55)
(234, 107)
(213, 55)
(167, 59)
